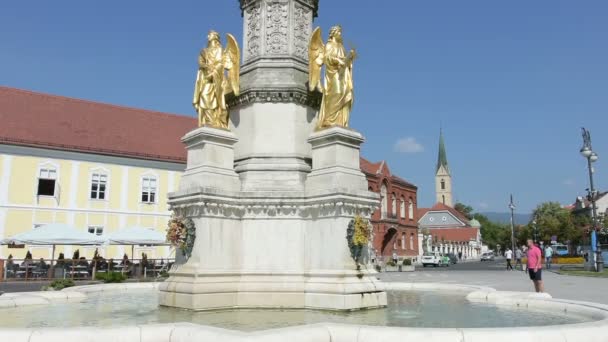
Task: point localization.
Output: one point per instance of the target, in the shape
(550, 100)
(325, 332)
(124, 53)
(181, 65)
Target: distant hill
(506, 217)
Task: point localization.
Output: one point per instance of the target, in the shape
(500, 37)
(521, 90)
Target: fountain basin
(589, 318)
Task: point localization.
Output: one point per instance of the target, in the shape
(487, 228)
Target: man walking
(518, 255)
(535, 266)
(509, 256)
(548, 256)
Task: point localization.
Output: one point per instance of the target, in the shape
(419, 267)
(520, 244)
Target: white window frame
(412, 241)
(97, 230)
(143, 187)
(403, 241)
(48, 166)
(100, 172)
(402, 208)
(410, 209)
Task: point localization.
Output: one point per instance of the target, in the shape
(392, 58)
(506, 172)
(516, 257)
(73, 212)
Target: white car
(487, 256)
(434, 260)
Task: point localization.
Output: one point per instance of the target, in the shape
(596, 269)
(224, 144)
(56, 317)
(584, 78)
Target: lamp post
(591, 157)
(512, 207)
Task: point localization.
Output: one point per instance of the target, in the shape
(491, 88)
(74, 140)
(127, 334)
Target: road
(494, 274)
(491, 273)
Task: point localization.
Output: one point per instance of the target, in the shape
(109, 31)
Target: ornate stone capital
(305, 208)
(305, 98)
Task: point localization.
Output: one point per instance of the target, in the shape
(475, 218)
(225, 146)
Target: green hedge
(111, 277)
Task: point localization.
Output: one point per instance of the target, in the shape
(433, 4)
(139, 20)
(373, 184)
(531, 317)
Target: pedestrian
(518, 256)
(460, 255)
(548, 256)
(395, 257)
(535, 266)
(509, 256)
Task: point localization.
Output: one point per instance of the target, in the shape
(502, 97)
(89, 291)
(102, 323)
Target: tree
(553, 220)
(494, 233)
(465, 210)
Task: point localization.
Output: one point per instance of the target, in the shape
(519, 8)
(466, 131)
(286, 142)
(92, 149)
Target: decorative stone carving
(277, 34)
(310, 99)
(302, 20)
(330, 207)
(254, 23)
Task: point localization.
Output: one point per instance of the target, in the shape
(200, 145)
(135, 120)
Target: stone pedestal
(210, 160)
(335, 160)
(280, 249)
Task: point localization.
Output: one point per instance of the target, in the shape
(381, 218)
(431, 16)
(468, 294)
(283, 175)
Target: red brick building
(395, 222)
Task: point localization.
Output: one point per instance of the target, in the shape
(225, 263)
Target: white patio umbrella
(137, 236)
(54, 234)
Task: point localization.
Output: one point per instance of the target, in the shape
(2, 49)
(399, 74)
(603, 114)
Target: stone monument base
(274, 248)
(267, 291)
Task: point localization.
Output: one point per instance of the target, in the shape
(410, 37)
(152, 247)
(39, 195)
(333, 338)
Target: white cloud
(483, 205)
(568, 182)
(408, 145)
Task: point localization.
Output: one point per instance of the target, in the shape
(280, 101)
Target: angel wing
(315, 57)
(233, 63)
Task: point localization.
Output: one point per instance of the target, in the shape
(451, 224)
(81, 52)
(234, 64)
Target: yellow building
(98, 167)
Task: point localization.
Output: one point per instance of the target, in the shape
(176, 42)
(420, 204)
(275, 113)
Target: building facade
(94, 166)
(446, 230)
(395, 227)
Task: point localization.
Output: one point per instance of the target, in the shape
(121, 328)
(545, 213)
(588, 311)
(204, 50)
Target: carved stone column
(274, 93)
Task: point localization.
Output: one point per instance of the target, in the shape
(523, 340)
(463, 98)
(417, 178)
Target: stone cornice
(305, 98)
(313, 4)
(238, 206)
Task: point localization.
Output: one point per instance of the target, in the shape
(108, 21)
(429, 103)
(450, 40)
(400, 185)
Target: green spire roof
(442, 158)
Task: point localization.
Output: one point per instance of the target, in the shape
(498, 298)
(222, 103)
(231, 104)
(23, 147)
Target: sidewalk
(559, 286)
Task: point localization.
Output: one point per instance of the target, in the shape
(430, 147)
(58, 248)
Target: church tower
(443, 178)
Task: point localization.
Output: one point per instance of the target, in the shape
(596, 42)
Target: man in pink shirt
(535, 266)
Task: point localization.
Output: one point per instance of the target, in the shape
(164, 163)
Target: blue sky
(511, 82)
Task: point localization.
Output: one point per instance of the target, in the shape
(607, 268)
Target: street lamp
(587, 152)
(512, 207)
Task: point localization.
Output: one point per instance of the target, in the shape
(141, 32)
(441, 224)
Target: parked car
(560, 249)
(434, 259)
(453, 258)
(487, 256)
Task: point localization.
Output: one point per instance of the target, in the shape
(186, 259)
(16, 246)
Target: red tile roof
(421, 212)
(369, 167)
(375, 168)
(49, 121)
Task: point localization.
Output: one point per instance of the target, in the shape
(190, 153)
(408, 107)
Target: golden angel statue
(338, 88)
(212, 84)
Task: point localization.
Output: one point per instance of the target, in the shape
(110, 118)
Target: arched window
(394, 205)
(402, 208)
(403, 241)
(443, 199)
(411, 209)
(442, 184)
(383, 195)
(412, 241)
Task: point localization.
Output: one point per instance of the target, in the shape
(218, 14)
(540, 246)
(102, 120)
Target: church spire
(443, 178)
(442, 158)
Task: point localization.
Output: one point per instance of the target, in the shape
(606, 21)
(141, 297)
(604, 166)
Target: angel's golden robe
(212, 85)
(338, 91)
